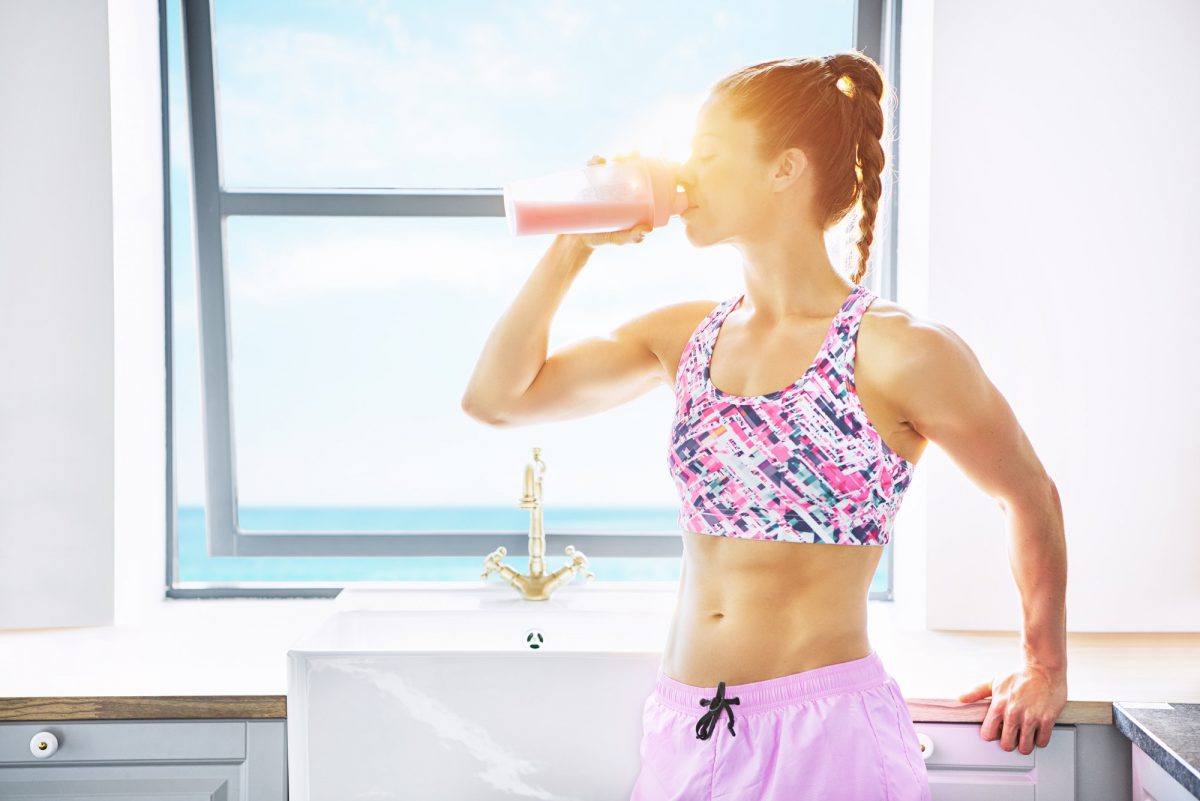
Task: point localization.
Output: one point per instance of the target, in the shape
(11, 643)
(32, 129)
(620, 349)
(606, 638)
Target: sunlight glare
(664, 129)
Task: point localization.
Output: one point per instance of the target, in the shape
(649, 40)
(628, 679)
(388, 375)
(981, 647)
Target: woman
(768, 686)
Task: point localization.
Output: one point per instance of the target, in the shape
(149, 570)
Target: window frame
(877, 34)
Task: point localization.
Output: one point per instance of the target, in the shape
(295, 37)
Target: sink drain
(534, 639)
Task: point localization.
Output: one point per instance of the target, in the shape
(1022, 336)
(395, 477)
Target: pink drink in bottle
(594, 199)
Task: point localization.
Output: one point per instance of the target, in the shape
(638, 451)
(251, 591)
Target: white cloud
(567, 19)
(272, 269)
(324, 106)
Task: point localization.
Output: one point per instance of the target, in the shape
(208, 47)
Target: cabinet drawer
(1151, 782)
(959, 745)
(964, 767)
(126, 741)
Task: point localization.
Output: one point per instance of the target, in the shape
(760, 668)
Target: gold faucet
(537, 586)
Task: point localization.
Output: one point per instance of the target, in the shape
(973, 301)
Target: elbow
(1045, 494)
(484, 416)
(1051, 491)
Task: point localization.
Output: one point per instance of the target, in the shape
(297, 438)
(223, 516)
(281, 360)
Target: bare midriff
(751, 610)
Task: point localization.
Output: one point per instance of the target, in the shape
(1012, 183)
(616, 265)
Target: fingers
(1010, 728)
(982, 690)
(1044, 731)
(1028, 736)
(598, 159)
(993, 719)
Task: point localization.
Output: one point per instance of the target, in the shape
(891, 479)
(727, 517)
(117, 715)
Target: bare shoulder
(901, 351)
(906, 339)
(665, 331)
(943, 394)
(887, 328)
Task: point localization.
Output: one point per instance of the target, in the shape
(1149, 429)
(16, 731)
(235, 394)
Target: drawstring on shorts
(704, 726)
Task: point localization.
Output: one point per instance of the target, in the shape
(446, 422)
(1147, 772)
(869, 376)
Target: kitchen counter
(1169, 733)
(216, 658)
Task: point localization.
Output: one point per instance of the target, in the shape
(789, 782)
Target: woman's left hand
(1024, 706)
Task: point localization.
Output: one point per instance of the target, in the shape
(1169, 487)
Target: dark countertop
(1170, 736)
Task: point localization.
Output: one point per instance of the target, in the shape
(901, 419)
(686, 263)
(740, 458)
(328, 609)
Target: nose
(683, 176)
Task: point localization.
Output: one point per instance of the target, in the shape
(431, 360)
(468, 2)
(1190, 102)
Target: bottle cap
(669, 199)
(680, 203)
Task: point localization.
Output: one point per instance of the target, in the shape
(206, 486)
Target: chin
(697, 234)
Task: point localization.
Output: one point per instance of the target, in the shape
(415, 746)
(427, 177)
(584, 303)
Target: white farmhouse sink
(473, 694)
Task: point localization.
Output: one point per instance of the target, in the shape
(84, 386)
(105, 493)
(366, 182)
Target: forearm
(1038, 557)
(516, 348)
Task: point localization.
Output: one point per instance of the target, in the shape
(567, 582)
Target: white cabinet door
(964, 767)
(1152, 783)
(127, 760)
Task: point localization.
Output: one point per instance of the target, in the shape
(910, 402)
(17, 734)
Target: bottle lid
(669, 199)
(680, 203)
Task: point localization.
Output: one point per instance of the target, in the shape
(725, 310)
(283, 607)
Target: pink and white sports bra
(801, 464)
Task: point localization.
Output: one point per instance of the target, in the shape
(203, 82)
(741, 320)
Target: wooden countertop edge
(175, 707)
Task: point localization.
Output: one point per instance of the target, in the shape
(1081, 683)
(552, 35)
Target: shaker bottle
(595, 199)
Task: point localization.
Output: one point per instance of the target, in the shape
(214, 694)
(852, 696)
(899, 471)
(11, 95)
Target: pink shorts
(835, 732)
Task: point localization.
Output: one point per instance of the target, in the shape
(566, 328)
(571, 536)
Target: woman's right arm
(515, 384)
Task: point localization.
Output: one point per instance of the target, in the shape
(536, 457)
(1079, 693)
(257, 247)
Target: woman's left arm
(944, 394)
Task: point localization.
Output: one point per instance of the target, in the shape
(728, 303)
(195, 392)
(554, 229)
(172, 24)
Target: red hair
(831, 108)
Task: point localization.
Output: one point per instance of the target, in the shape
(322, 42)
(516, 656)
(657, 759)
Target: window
(338, 256)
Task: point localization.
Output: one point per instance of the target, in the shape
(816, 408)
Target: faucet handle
(579, 562)
(492, 562)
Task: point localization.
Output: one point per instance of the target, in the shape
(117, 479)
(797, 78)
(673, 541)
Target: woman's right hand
(634, 234)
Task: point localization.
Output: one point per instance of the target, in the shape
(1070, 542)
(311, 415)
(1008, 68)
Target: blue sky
(353, 338)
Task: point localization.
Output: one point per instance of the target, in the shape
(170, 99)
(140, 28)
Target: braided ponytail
(860, 80)
(836, 118)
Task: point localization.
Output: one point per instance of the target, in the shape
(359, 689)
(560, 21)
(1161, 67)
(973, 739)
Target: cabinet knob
(43, 744)
(926, 745)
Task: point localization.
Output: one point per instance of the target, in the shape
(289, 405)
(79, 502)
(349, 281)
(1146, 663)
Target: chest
(747, 364)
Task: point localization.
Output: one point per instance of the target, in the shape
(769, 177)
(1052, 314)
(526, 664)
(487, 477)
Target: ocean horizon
(196, 565)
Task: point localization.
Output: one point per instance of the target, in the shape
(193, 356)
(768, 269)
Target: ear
(789, 167)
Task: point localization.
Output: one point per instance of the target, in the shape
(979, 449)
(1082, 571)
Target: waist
(753, 609)
(848, 675)
(746, 642)
(727, 574)
(804, 633)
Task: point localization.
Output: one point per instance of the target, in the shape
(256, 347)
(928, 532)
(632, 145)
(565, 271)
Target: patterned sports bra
(801, 464)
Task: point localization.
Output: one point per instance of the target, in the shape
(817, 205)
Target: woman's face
(734, 195)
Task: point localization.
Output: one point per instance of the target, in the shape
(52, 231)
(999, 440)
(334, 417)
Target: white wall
(56, 315)
(139, 244)
(1052, 227)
